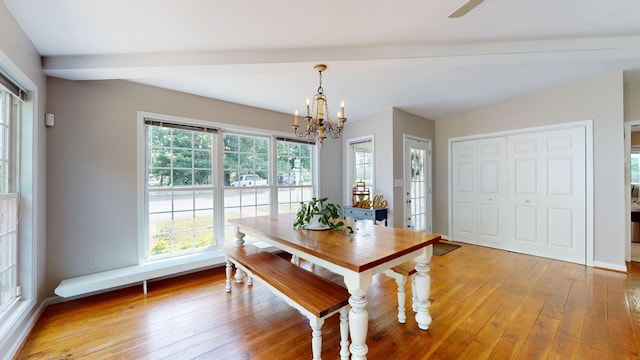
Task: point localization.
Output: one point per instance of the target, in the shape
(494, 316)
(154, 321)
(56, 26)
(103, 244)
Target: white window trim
(217, 155)
(141, 142)
(12, 331)
(349, 173)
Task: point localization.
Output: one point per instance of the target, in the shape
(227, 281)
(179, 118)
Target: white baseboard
(608, 266)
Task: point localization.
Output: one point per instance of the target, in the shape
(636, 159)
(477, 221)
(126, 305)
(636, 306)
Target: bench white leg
(316, 337)
(229, 271)
(144, 287)
(295, 260)
(401, 281)
(344, 333)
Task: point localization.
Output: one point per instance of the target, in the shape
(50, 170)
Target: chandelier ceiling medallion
(318, 120)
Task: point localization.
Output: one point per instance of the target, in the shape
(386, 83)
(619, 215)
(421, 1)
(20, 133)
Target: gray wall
(330, 165)
(92, 185)
(19, 58)
(599, 99)
(388, 152)
(380, 125)
(409, 124)
(632, 100)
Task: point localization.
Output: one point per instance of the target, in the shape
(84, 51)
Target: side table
(365, 214)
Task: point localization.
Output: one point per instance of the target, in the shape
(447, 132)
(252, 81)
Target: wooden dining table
(370, 250)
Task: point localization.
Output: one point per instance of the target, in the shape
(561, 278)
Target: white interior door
(464, 191)
(417, 184)
(480, 191)
(547, 199)
(492, 192)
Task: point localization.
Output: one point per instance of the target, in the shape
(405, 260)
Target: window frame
(176, 192)
(351, 165)
(304, 192)
(10, 114)
(26, 182)
(218, 174)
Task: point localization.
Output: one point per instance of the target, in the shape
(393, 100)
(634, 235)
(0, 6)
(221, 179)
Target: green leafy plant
(329, 214)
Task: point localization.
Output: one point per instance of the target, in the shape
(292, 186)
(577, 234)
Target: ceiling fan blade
(464, 9)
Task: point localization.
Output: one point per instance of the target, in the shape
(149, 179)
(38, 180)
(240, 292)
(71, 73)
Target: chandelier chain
(320, 89)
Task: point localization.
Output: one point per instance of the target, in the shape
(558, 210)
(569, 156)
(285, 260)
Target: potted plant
(318, 214)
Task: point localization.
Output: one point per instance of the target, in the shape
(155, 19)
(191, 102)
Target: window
(8, 107)
(9, 115)
(361, 161)
(246, 178)
(197, 178)
(634, 167)
(295, 174)
(180, 188)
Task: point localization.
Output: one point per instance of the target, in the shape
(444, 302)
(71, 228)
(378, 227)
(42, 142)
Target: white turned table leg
(239, 237)
(422, 282)
(228, 271)
(358, 326)
(344, 333)
(413, 297)
(239, 275)
(358, 284)
(316, 337)
(239, 241)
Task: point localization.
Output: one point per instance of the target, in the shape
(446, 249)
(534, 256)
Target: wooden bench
(315, 297)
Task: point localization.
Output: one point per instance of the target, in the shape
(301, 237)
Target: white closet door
(492, 192)
(547, 194)
(464, 191)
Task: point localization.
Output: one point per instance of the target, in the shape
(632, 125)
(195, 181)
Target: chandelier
(318, 120)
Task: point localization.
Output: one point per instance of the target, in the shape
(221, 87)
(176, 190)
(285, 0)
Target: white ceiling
(380, 53)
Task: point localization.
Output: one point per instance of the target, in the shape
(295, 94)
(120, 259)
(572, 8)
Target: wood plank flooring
(488, 304)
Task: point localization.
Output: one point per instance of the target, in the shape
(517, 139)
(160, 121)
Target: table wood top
(370, 245)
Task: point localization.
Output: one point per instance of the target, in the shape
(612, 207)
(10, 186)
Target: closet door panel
(526, 224)
(565, 194)
(492, 191)
(547, 194)
(524, 179)
(465, 193)
(560, 228)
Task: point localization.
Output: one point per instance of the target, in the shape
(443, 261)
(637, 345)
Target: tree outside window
(180, 190)
(245, 155)
(295, 174)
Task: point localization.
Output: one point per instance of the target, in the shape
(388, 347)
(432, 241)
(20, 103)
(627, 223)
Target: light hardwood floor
(488, 304)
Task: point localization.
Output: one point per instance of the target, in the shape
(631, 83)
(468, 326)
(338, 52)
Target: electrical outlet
(93, 263)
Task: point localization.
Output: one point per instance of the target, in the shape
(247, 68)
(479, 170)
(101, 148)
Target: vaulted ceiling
(380, 53)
